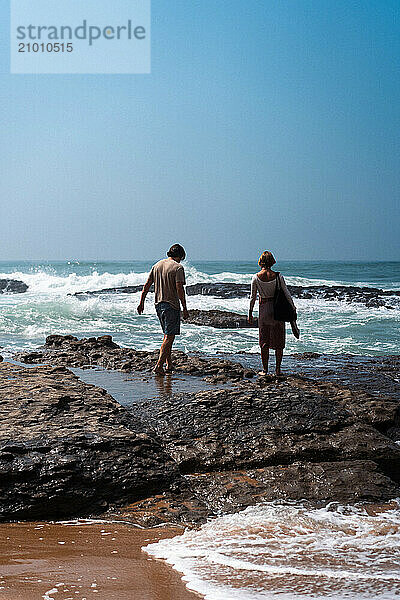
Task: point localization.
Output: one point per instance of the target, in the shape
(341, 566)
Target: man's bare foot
(158, 371)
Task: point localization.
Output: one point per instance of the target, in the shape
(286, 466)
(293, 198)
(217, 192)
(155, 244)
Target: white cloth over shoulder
(266, 289)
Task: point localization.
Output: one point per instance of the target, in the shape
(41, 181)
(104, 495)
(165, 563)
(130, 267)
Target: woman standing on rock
(271, 332)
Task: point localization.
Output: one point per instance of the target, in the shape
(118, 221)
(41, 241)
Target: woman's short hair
(266, 259)
(177, 251)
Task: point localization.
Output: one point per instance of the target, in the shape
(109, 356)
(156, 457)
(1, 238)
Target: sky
(264, 124)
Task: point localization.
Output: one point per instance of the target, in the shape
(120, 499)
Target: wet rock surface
(68, 448)
(377, 375)
(220, 319)
(12, 286)
(102, 351)
(370, 297)
(262, 442)
(254, 426)
(186, 457)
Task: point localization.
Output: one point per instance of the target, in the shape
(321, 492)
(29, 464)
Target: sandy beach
(83, 561)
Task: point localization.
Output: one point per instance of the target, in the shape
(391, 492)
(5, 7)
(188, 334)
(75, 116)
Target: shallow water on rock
(376, 375)
(128, 388)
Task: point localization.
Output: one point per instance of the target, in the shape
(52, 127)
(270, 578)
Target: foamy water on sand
(291, 552)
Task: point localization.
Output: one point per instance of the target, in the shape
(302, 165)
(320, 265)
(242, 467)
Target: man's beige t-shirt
(165, 274)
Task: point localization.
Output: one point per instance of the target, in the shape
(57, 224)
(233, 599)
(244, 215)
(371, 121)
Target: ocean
(274, 550)
(326, 326)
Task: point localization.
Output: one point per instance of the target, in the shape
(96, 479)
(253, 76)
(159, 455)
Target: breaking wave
(326, 326)
(291, 552)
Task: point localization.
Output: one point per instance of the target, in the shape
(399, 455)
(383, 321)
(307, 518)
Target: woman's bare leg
(265, 357)
(278, 357)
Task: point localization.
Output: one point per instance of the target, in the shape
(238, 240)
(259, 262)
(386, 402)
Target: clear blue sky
(264, 124)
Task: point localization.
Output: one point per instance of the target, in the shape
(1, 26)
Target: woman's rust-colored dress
(272, 334)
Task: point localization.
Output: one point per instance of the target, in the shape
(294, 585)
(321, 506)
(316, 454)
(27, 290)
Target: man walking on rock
(168, 276)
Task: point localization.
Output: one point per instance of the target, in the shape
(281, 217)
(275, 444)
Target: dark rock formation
(289, 441)
(230, 491)
(12, 286)
(220, 319)
(251, 427)
(102, 351)
(371, 297)
(128, 289)
(320, 483)
(68, 448)
(219, 290)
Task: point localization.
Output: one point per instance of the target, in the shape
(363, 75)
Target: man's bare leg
(265, 358)
(278, 356)
(165, 354)
(168, 362)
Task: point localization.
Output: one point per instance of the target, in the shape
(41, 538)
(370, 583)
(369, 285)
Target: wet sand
(85, 561)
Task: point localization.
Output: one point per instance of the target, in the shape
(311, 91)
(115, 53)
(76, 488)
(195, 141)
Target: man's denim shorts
(170, 318)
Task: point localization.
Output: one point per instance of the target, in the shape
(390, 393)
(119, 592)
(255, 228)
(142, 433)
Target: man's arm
(182, 297)
(145, 291)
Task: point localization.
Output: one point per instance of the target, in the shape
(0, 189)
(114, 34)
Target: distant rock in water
(12, 286)
(220, 319)
(128, 289)
(370, 297)
(219, 290)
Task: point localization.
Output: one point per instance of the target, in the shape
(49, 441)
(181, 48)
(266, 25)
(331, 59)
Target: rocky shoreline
(69, 449)
(370, 297)
(103, 352)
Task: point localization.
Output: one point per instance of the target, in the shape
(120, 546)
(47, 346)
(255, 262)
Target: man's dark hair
(177, 251)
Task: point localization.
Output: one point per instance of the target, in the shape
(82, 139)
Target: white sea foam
(50, 282)
(291, 551)
(54, 284)
(326, 326)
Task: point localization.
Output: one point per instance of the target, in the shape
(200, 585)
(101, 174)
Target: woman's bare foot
(158, 371)
(169, 368)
